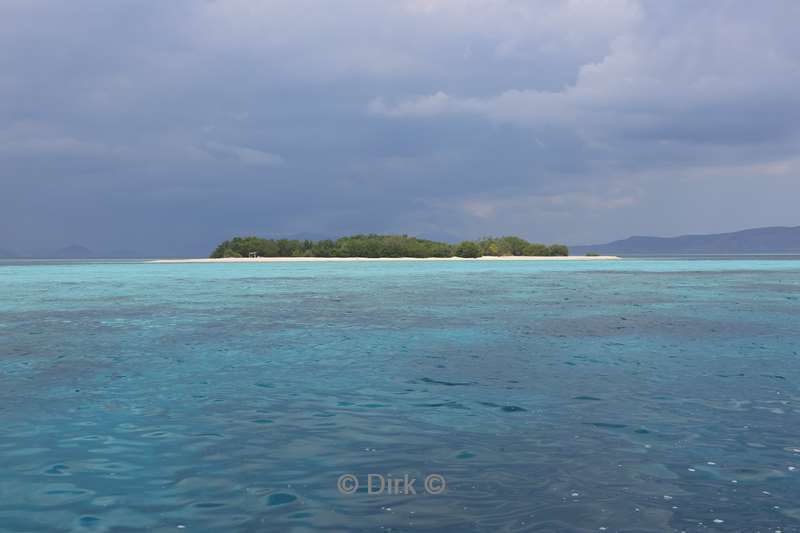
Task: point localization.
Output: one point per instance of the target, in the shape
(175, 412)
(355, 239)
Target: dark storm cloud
(165, 126)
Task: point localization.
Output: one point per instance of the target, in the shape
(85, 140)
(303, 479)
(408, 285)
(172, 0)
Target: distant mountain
(122, 254)
(307, 236)
(778, 239)
(73, 251)
(441, 236)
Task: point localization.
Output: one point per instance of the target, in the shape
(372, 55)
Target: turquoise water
(640, 395)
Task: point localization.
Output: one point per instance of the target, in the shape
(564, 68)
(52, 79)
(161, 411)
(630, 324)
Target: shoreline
(370, 259)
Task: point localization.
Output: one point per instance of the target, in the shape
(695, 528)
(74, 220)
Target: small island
(375, 247)
(384, 246)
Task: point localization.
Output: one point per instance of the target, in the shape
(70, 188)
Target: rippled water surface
(639, 395)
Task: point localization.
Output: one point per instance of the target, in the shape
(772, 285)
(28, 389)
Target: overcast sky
(165, 127)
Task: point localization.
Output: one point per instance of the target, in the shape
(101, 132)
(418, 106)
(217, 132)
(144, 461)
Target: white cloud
(424, 106)
(247, 156)
(717, 66)
(62, 146)
(489, 207)
(27, 139)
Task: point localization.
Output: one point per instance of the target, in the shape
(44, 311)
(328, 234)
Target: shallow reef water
(635, 395)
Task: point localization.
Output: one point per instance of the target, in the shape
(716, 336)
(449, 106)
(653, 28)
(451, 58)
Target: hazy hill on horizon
(773, 239)
(74, 251)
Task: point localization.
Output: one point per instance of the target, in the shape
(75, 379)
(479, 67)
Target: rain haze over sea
(633, 395)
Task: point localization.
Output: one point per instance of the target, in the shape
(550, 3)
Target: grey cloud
(555, 120)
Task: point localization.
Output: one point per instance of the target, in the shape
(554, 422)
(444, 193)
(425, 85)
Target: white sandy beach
(322, 259)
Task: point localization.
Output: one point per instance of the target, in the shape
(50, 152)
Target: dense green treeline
(383, 246)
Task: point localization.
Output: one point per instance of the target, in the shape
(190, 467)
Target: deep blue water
(638, 395)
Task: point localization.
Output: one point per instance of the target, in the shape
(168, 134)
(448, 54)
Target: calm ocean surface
(638, 395)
